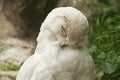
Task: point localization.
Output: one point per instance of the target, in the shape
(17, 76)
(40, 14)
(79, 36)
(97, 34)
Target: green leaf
(108, 8)
(108, 67)
(92, 49)
(97, 21)
(118, 59)
(117, 27)
(108, 21)
(102, 55)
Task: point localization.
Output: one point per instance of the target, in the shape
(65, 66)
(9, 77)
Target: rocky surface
(15, 50)
(9, 75)
(83, 5)
(12, 48)
(6, 28)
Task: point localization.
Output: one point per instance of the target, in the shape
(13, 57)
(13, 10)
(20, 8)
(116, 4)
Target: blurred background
(20, 22)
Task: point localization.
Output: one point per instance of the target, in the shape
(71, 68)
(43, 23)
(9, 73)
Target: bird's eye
(63, 31)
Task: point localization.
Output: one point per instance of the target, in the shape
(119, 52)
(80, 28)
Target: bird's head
(66, 26)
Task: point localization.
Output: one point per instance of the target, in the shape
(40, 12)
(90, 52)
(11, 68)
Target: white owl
(61, 52)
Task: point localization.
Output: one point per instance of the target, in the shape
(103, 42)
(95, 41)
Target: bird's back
(66, 64)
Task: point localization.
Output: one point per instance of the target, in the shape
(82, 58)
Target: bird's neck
(47, 45)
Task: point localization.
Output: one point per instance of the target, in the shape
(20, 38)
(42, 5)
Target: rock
(9, 75)
(12, 48)
(15, 50)
(6, 28)
(27, 16)
(82, 5)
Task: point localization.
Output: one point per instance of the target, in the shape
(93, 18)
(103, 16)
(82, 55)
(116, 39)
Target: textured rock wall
(82, 5)
(9, 75)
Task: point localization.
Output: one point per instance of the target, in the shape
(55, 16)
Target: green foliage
(9, 66)
(105, 38)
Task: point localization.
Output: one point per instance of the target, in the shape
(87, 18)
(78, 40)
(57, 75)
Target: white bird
(61, 52)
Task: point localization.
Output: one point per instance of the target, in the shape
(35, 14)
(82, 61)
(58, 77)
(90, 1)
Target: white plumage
(61, 52)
